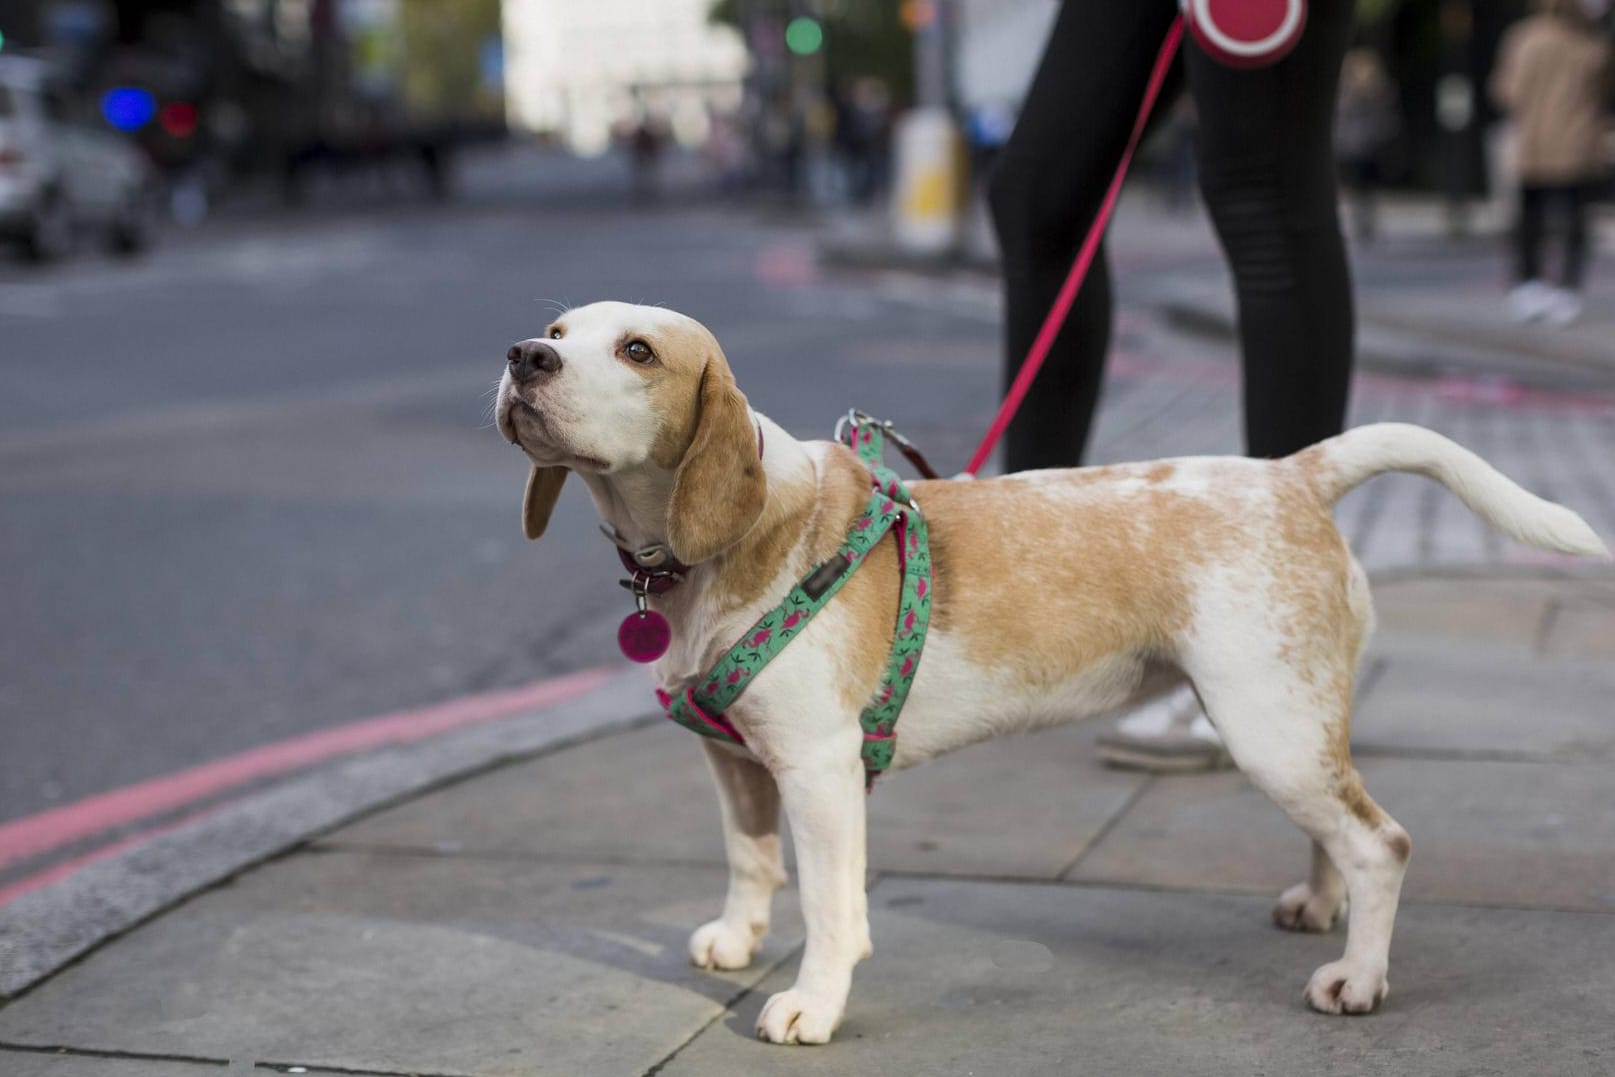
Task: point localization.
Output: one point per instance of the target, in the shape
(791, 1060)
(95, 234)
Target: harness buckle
(854, 418)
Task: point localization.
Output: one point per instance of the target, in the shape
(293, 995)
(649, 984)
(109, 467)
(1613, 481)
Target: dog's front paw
(798, 1016)
(1299, 909)
(1339, 988)
(722, 945)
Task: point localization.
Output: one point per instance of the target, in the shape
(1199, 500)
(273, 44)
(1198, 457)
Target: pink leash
(1079, 269)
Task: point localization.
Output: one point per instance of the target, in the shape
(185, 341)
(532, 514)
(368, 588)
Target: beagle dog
(1057, 595)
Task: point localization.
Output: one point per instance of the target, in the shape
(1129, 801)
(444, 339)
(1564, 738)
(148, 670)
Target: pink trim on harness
(720, 724)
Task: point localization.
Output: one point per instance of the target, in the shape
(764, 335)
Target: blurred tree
(445, 46)
(1375, 12)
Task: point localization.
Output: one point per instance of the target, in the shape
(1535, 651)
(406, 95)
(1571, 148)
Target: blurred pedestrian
(783, 140)
(724, 151)
(1553, 78)
(1267, 174)
(861, 137)
(646, 142)
(1175, 144)
(1365, 123)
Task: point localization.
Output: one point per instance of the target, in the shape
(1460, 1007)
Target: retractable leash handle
(1239, 33)
(1245, 33)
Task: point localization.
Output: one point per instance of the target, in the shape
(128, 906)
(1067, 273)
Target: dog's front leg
(823, 789)
(750, 802)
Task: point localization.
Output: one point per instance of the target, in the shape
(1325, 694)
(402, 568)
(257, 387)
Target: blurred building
(578, 69)
(995, 46)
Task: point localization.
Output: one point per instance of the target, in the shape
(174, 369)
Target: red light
(178, 119)
(917, 14)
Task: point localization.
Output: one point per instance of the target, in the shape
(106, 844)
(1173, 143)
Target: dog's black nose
(529, 358)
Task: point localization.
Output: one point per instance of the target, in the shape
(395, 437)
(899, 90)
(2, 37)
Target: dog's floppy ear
(719, 488)
(543, 487)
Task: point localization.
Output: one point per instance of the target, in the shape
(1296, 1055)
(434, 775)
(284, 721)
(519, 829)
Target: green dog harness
(703, 702)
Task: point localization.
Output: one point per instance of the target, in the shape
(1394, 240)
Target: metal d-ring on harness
(701, 706)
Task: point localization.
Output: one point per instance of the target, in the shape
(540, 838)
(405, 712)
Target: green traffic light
(804, 36)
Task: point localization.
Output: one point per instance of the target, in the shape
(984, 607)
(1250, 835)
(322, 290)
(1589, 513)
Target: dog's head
(611, 389)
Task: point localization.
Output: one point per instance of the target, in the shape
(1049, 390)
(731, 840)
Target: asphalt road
(248, 485)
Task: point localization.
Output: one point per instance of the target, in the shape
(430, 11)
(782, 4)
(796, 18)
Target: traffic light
(804, 36)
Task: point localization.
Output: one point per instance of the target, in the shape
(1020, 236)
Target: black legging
(1267, 174)
(1529, 233)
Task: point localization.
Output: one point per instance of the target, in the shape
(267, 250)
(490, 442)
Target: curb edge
(44, 931)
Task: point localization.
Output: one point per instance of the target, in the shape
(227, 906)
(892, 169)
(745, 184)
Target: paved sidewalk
(1427, 301)
(1032, 912)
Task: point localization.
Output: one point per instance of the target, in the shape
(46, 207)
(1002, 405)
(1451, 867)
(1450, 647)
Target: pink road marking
(59, 871)
(37, 834)
(785, 264)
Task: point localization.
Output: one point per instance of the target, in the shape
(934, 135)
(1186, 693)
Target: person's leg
(1044, 194)
(1562, 305)
(1267, 175)
(1368, 200)
(1530, 298)
(1528, 235)
(1576, 198)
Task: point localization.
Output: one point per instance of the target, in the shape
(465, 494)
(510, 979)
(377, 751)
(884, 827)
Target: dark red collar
(652, 581)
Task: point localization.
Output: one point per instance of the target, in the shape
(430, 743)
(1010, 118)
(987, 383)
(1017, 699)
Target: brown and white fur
(1058, 595)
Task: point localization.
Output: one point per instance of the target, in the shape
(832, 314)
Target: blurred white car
(59, 177)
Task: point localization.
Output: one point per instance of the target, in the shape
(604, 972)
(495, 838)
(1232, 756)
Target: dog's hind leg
(1283, 710)
(1313, 905)
(750, 802)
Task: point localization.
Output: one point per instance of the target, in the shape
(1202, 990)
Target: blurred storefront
(243, 86)
(580, 70)
(1439, 54)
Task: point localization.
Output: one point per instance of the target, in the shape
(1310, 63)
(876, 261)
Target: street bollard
(929, 192)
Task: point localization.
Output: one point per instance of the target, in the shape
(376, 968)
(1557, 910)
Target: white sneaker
(1563, 308)
(1529, 301)
(1169, 734)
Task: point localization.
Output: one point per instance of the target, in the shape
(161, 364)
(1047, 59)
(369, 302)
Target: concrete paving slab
(409, 964)
(1024, 806)
(1508, 612)
(1440, 696)
(1484, 833)
(1581, 631)
(35, 1064)
(1556, 616)
(989, 978)
(1021, 806)
(574, 804)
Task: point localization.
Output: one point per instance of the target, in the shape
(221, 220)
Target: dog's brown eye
(638, 351)
(555, 332)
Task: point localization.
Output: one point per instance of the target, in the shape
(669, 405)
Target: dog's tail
(1337, 465)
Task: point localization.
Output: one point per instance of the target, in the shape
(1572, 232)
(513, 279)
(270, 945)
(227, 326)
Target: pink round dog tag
(644, 635)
